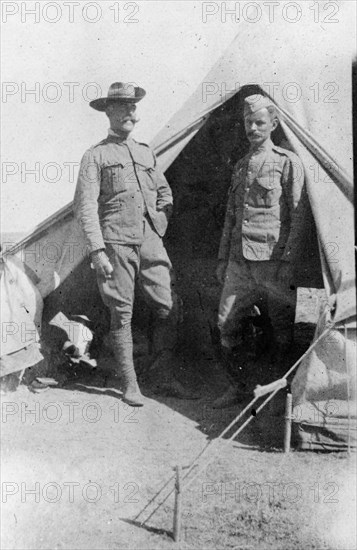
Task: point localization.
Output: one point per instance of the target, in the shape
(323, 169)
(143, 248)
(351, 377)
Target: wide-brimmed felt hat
(120, 92)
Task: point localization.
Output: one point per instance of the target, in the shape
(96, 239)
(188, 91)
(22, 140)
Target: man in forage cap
(123, 203)
(261, 237)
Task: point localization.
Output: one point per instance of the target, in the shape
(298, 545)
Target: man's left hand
(285, 274)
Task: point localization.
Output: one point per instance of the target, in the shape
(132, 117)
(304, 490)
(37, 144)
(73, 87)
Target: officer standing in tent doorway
(261, 237)
(123, 203)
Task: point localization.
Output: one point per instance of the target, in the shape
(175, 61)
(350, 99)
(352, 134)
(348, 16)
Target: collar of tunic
(264, 147)
(112, 134)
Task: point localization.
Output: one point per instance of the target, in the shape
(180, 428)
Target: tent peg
(178, 505)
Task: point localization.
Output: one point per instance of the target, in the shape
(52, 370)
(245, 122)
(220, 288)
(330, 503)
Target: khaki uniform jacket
(118, 183)
(265, 212)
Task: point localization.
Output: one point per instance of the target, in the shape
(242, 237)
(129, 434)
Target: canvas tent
(306, 69)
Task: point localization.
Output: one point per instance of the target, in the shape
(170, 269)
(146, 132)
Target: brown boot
(122, 343)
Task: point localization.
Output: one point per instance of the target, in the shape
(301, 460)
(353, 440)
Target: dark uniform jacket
(264, 217)
(119, 183)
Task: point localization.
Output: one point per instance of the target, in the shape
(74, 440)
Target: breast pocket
(118, 178)
(146, 174)
(267, 191)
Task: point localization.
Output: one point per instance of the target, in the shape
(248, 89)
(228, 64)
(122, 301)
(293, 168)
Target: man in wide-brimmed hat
(123, 203)
(261, 240)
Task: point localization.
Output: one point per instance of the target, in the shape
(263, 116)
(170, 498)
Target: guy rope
(199, 465)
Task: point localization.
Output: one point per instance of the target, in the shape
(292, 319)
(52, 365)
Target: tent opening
(200, 178)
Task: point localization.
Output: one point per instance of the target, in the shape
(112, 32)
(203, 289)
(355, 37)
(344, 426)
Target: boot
(122, 343)
(233, 393)
(161, 373)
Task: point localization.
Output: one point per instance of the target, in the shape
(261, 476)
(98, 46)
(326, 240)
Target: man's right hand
(101, 264)
(221, 271)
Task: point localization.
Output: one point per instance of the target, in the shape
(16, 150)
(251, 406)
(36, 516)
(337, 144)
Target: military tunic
(263, 228)
(119, 181)
(123, 203)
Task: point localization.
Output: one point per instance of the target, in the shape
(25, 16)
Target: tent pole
(348, 395)
(287, 432)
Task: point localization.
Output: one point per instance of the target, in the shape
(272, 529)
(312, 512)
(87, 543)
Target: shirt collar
(266, 146)
(113, 134)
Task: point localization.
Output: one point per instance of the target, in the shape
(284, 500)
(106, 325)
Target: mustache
(133, 118)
